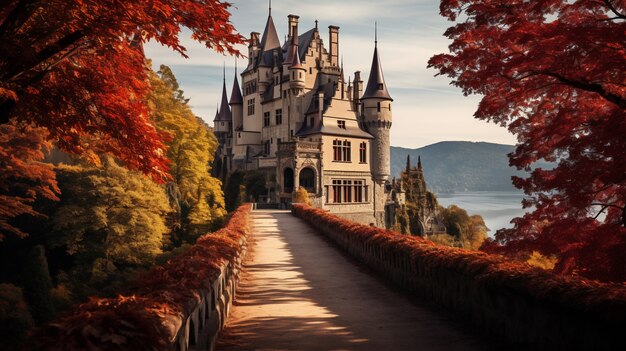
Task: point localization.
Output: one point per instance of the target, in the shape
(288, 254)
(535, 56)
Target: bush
(302, 196)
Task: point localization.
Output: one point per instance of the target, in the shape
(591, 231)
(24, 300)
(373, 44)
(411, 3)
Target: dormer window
(341, 124)
(380, 86)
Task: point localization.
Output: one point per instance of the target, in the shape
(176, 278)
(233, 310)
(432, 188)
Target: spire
(270, 39)
(342, 76)
(293, 57)
(375, 34)
(408, 164)
(224, 112)
(376, 87)
(419, 163)
(235, 96)
(217, 114)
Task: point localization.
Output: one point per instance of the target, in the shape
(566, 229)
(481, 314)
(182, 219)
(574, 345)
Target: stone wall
(529, 307)
(180, 306)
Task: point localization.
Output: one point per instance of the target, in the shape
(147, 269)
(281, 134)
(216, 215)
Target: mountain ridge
(460, 166)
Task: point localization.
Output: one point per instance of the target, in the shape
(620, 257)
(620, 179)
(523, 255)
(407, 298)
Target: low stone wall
(528, 306)
(181, 305)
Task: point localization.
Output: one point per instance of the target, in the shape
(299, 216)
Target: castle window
(341, 124)
(348, 191)
(341, 151)
(378, 106)
(358, 191)
(266, 148)
(310, 70)
(336, 191)
(336, 150)
(266, 119)
(279, 116)
(250, 107)
(346, 151)
(249, 87)
(363, 152)
(380, 86)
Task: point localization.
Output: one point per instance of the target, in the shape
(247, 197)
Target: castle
(299, 122)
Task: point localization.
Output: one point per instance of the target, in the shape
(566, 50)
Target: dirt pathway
(298, 292)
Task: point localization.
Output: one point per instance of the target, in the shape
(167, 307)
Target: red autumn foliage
(574, 294)
(552, 71)
(23, 176)
(136, 322)
(71, 67)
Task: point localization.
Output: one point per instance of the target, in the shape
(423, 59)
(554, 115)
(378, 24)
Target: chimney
(253, 47)
(333, 38)
(293, 26)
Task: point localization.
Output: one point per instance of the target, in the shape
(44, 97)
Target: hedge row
(524, 304)
(162, 299)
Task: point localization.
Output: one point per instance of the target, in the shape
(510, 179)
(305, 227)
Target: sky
(426, 109)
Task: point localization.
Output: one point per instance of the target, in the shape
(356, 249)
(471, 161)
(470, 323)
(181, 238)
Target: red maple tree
(554, 73)
(73, 73)
(70, 66)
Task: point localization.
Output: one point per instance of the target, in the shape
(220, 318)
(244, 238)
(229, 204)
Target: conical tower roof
(224, 114)
(376, 87)
(235, 96)
(270, 40)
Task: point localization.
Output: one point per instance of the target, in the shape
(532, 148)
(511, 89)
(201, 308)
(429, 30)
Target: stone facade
(296, 118)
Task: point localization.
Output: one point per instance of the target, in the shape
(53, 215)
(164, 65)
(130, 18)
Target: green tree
(15, 318)
(110, 219)
(468, 231)
(196, 196)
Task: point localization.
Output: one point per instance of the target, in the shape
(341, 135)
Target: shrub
(302, 196)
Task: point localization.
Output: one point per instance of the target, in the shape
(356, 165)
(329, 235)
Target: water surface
(496, 207)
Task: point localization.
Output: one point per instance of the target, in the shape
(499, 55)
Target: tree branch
(614, 10)
(591, 87)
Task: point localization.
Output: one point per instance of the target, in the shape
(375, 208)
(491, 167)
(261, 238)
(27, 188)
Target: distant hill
(457, 166)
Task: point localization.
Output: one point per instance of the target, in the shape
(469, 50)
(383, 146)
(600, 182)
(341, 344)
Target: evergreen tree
(37, 284)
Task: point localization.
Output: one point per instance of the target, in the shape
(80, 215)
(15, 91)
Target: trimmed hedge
(162, 299)
(526, 305)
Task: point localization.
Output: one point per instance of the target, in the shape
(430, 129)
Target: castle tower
(376, 104)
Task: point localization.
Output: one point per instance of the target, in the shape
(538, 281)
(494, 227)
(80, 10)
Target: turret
(297, 76)
(223, 120)
(377, 118)
(236, 103)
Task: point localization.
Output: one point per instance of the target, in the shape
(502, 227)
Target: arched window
(288, 180)
(307, 179)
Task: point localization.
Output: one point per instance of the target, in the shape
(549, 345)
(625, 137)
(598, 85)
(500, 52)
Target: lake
(497, 208)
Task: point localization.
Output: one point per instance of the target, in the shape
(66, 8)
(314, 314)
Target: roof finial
(270, 7)
(224, 71)
(315, 24)
(235, 67)
(375, 34)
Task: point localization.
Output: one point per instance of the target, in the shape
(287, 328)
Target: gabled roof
(376, 87)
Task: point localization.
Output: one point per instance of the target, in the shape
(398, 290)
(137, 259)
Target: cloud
(427, 109)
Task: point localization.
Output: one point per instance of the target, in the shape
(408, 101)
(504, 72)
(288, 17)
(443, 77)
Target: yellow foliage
(191, 150)
(536, 259)
(302, 196)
